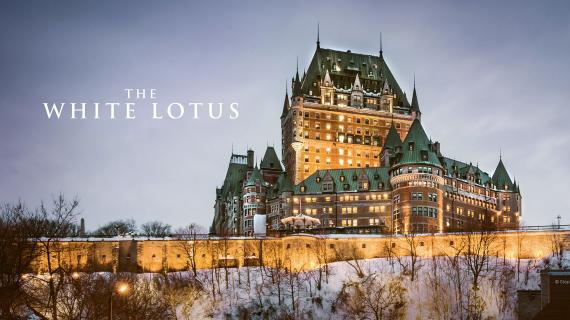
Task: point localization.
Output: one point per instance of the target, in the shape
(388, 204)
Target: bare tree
(407, 255)
(477, 249)
(351, 256)
(116, 228)
(190, 243)
(56, 222)
(156, 229)
(372, 298)
(557, 247)
(19, 234)
(320, 253)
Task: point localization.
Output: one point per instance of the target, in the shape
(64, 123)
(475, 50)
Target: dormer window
(318, 179)
(302, 188)
(342, 178)
(354, 177)
(411, 146)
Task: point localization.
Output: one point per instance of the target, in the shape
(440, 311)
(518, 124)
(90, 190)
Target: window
(433, 197)
(417, 196)
(396, 198)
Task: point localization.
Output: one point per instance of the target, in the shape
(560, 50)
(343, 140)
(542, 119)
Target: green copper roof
(343, 67)
(392, 138)
(455, 167)
(234, 178)
(284, 184)
(415, 105)
(255, 175)
(501, 177)
(378, 180)
(270, 160)
(416, 147)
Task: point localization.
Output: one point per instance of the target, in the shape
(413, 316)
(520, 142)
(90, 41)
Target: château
(356, 157)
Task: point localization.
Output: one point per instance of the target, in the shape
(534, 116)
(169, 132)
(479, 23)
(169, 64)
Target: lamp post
(121, 289)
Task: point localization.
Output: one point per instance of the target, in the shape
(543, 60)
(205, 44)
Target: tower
(340, 113)
(416, 176)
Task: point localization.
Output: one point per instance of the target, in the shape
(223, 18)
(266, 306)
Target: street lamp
(120, 289)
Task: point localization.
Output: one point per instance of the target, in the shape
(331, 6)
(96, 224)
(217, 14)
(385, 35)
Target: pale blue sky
(490, 75)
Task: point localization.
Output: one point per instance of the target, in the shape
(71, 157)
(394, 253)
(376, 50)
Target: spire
(381, 52)
(415, 104)
(318, 40)
(297, 83)
(286, 105)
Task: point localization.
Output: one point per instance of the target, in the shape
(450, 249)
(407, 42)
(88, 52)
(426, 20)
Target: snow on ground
(250, 292)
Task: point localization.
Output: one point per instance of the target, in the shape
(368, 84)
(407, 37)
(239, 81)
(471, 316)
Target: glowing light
(122, 288)
(75, 275)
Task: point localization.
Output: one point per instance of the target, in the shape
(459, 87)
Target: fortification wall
(294, 252)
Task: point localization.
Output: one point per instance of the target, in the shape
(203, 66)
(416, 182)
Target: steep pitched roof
(345, 65)
(284, 184)
(270, 160)
(234, 178)
(378, 179)
(501, 177)
(255, 175)
(416, 147)
(392, 138)
(462, 168)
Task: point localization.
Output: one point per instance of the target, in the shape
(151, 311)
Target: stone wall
(294, 252)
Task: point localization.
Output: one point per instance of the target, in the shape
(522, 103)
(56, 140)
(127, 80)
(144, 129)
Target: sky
(491, 76)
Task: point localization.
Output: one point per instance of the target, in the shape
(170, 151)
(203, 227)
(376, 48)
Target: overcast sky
(490, 75)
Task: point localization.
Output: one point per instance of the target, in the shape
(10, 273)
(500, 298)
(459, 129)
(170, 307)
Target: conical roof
(501, 177)
(286, 106)
(415, 105)
(297, 85)
(392, 138)
(416, 147)
(255, 175)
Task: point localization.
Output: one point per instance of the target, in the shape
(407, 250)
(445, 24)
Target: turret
(416, 174)
(327, 90)
(357, 95)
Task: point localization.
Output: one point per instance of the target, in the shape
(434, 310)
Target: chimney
(82, 228)
(250, 159)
